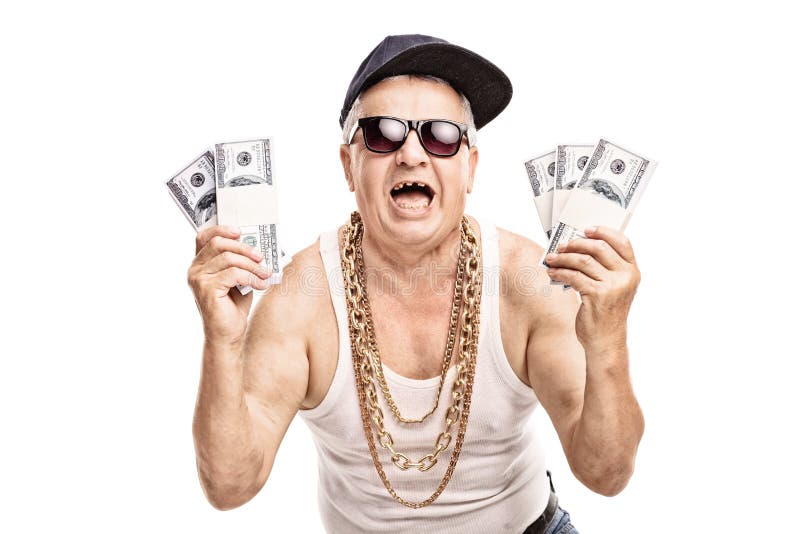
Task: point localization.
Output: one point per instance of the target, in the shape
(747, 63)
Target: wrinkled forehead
(412, 98)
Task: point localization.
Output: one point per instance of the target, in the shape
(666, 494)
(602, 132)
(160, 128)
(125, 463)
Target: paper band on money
(607, 194)
(541, 175)
(247, 198)
(570, 164)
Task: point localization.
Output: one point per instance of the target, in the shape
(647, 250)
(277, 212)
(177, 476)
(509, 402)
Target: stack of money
(234, 186)
(576, 186)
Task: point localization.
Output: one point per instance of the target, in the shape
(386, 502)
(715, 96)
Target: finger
(615, 238)
(600, 250)
(227, 259)
(205, 236)
(579, 262)
(218, 244)
(582, 283)
(233, 276)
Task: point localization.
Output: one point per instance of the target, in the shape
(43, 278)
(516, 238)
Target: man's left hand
(602, 268)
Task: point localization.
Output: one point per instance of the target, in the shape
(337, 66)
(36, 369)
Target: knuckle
(226, 276)
(227, 256)
(622, 286)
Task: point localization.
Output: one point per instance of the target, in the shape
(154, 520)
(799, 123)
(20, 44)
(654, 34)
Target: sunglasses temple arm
(352, 133)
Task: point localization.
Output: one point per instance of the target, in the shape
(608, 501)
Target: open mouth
(412, 195)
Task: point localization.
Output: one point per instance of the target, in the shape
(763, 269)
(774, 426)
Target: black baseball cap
(486, 87)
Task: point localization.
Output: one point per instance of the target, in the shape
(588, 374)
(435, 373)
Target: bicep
(557, 362)
(276, 370)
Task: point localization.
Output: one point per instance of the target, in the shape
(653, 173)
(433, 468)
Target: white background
(101, 340)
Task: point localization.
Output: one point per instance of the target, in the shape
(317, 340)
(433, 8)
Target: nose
(411, 153)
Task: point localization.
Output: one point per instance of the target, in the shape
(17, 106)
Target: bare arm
(229, 453)
(581, 381)
(588, 396)
(251, 387)
(602, 269)
(611, 424)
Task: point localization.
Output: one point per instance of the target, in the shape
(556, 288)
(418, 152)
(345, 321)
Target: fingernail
(232, 229)
(590, 230)
(551, 256)
(561, 247)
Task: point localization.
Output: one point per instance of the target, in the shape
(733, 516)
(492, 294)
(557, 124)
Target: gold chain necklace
(364, 370)
(451, 332)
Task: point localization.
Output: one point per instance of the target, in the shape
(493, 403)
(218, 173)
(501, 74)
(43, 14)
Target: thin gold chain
(364, 370)
(451, 331)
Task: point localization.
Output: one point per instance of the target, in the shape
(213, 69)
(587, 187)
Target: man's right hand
(222, 262)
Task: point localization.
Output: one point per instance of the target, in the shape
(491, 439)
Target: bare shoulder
(517, 250)
(299, 299)
(521, 274)
(524, 282)
(292, 333)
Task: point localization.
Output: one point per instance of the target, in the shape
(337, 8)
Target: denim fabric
(560, 524)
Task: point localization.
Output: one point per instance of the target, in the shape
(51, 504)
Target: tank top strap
(331, 261)
(490, 331)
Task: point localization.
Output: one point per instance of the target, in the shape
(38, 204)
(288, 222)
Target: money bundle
(592, 185)
(234, 186)
(194, 192)
(541, 174)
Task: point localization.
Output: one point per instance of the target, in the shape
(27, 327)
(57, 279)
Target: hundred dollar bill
(541, 174)
(612, 184)
(570, 163)
(194, 191)
(247, 198)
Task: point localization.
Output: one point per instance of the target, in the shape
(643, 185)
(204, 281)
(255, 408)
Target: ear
(344, 156)
(473, 164)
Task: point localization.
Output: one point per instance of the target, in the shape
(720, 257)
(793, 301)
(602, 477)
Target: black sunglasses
(386, 134)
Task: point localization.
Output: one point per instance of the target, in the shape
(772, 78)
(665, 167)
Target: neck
(427, 265)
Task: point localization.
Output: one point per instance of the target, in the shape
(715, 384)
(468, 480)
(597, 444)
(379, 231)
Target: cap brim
(486, 87)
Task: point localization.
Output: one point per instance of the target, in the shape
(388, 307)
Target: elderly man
(415, 341)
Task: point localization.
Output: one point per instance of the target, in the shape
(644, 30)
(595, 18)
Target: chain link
(364, 363)
(451, 331)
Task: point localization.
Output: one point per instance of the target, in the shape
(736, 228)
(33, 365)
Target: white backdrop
(101, 340)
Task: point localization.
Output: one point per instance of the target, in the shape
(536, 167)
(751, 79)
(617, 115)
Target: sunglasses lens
(440, 137)
(384, 135)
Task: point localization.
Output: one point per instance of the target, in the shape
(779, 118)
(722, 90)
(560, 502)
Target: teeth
(404, 184)
(415, 206)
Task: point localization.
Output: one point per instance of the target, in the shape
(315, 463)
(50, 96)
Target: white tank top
(499, 483)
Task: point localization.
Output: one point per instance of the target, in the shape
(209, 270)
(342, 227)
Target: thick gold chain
(451, 331)
(364, 369)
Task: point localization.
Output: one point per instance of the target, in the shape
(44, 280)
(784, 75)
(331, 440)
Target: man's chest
(412, 339)
(413, 336)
